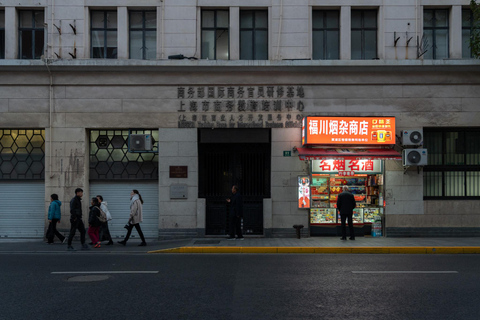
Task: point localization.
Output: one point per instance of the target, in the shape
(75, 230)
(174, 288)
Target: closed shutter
(117, 196)
(22, 209)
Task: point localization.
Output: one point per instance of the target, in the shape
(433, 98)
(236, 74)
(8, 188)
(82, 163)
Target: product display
(367, 190)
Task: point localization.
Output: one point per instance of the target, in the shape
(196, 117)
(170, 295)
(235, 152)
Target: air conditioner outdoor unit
(414, 157)
(140, 142)
(413, 137)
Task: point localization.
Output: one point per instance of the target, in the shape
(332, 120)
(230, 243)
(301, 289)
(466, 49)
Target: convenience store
(345, 151)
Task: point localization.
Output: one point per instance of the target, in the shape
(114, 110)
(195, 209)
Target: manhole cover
(89, 278)
(207, 242)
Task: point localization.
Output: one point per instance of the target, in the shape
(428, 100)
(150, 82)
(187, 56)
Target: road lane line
(104, 272)
(420, 272)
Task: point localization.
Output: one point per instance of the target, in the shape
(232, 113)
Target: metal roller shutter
(22, 209)
(117, 196)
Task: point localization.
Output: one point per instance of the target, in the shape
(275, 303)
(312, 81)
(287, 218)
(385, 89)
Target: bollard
(298, 227)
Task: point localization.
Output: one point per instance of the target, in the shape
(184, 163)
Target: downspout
(50, 122)
(279, 29)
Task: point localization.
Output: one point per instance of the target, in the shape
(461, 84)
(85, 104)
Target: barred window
(110, 158)
(453, 170)
(22, 154)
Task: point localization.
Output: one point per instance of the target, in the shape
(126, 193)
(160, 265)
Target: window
(467, 26)
(2, 34)
(435, 29)
(104, 34)
(364, 34)
(31, 34)
(215, 35)
(326, 33)
(143, 35)
(110, 158)
(254, 35)
(453, 170)
(22, 154)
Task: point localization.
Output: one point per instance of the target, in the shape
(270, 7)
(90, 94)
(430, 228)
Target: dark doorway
(243, 161)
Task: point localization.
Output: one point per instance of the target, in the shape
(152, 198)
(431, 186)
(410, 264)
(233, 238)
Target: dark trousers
(129, 231)
(76, 224)
(235, 226)
(105, 233)
(343, 217)
(52, 231)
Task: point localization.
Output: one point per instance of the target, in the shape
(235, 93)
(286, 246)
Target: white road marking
(420, 272)
(105, 272)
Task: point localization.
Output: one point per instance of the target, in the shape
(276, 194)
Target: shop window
(110, 158)
(326, 35)
(215, 34)
(254, 35)
(143, 35)
(453, 170)
(364, 34)
(103, 34)
(31, 31)
(2, 34)
(22, 154)
(435, 33)
(467, 28)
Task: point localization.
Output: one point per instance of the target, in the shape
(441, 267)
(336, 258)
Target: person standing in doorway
(94, 223)
(345, 205)
(54, 216)
(236, 214)
(136, 217)
(76, 220)
(104, 231)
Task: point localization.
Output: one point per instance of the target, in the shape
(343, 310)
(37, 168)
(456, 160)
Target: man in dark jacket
(76, 220)
(345, 205)
(236, 214)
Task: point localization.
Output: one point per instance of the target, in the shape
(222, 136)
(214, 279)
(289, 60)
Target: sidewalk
(261, 245)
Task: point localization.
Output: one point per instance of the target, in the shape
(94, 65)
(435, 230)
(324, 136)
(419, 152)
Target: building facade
(220, 89)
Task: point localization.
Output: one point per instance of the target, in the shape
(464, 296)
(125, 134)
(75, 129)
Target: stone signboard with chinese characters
(240, 106)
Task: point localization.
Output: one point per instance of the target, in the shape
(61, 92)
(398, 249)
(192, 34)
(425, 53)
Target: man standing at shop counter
(345, 205)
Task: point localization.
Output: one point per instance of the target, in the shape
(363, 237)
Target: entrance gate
(221, 165)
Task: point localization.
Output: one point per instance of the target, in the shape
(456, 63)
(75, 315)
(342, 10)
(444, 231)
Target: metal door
(222, 165)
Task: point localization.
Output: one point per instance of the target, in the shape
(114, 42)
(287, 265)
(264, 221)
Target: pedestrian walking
(136, 217)
(104, 231)
(54, 217)
(345, 205)
(76, 220)
(236, 214)
(94, 223)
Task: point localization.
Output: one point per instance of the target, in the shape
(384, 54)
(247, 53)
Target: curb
(326, 250)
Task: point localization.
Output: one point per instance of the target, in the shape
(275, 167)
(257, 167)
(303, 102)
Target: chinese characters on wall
(240, 107)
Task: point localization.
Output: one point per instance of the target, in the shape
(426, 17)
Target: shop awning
(350, 154)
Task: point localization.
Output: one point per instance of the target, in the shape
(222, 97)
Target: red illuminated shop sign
(348, 131)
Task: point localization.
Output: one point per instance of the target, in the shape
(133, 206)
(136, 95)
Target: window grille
(110, 159)
(22, 154)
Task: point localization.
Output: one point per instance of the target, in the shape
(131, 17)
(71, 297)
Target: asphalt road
(176, 286)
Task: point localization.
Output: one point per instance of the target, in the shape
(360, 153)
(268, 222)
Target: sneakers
(123, 243)
(109, 243)
(230, 238)
(143, 244)
(97, 245)
(85, 247)
(240, 238)
(70, 248)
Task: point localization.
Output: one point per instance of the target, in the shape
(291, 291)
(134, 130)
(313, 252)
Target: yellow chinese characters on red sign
(348, 131)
